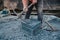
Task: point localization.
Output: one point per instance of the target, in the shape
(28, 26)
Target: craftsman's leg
(39, 7)
(29, 11)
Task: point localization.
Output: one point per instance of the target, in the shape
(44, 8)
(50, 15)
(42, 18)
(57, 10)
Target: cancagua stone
(32, 26)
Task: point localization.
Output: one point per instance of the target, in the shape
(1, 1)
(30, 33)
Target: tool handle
(20, 14)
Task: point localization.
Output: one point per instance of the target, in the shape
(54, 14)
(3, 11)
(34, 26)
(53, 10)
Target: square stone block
(32, 26)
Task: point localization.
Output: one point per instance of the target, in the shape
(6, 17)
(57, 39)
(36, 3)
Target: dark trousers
(38, 7)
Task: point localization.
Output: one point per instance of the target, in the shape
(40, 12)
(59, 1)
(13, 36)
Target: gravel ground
(11, 30)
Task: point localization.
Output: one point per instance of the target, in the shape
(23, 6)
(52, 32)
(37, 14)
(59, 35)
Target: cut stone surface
(32, 26)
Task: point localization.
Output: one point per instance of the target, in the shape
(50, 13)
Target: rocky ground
(10, 29)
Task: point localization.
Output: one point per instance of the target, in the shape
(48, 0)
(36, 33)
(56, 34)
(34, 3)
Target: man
(37, 4)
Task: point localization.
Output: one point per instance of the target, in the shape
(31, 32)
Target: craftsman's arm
(25, 3)
(34, 1)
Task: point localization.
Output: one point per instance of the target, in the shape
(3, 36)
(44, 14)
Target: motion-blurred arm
(25, 5)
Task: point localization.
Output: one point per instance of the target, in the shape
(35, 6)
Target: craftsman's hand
(25, 9)
(34, 1)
